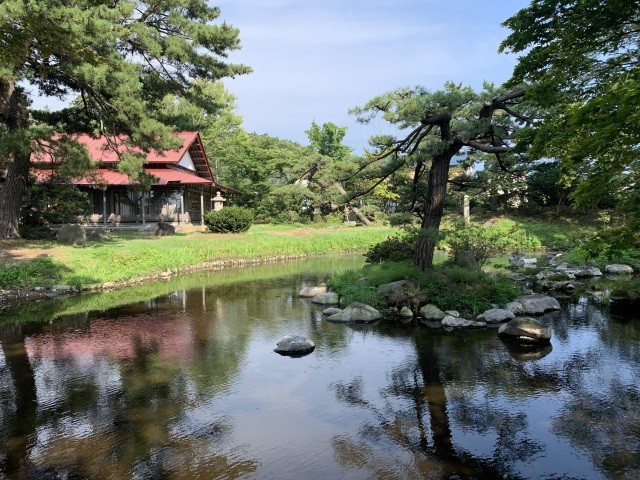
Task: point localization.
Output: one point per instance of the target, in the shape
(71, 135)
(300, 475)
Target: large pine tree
(120, 58)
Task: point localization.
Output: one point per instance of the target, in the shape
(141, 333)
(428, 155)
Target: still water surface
(185, 385)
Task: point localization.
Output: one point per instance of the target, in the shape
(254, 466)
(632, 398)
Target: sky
(315, 60)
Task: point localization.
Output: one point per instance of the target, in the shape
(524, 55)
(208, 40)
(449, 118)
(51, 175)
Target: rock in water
(308, 292)
(328, 298)
(618, 269)
(431, 313)
(496, 315)
(537, 304)
(455, 322)
(525, 330)
(294, 345)
(358, 313)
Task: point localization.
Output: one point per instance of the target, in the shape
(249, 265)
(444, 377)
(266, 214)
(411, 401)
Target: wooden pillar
(104, 207)
(201, 205)
(144, 194)
(181, 214)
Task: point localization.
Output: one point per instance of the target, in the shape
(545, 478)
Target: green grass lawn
(128, 256)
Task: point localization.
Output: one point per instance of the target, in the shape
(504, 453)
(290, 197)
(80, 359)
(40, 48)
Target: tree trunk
(357, 212)
(432, 211)
(15, 116)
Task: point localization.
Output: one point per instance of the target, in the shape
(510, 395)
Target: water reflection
(186, 385)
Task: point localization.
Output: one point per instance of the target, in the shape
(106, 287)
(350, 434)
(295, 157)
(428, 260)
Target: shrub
(396, 249)
(482, 242)
(229, 220)
(401, 219)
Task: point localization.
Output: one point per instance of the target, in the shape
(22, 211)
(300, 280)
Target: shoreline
(15, 298)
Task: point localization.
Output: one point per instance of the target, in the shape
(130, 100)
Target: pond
(179, 380)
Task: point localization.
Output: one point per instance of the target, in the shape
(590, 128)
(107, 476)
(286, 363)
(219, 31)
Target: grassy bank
(127, 257)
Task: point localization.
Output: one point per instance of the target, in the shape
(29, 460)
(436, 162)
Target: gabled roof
(162, 165)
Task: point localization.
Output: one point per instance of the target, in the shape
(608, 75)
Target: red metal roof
(105, 176)
(104, 152)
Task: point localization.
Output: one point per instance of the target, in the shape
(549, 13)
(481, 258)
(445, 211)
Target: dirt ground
(16, 251)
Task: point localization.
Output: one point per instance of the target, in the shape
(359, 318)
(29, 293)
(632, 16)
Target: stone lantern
(218, 202)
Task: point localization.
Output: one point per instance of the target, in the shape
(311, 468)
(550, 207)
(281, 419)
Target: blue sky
(316, 60)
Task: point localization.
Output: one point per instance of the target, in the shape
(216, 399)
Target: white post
(465, 209)
(201, 205)
(181, 214)
(142, 205)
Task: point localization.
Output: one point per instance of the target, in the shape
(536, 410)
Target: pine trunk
(15, 116)
(432, 212)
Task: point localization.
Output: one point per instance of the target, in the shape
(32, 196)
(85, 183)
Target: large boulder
(525, 330)
(431, 313)
(72, 234)
(389, 288)
(618, 269)
(496, 315)
(164, 229)
(515, 308)
(587, 272)
(294, 345)
(310, 292)
(331, 311)
(537, 304)
(327, 298)
(456, 322)
(356, 313)
(97, 234)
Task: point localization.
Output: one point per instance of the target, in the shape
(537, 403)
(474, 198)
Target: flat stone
(537, 304)
(327, 298)
(453, 313)
(387, 288)
(294, 345)
(357, 313)
(455, 322)
(430, 313)
(309, 292)
(618, 269)
(525, 330)
(496, 315)
(331, 311)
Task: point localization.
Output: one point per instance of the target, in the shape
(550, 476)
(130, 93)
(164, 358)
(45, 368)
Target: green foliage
(398, 248)
(400, 219)
(229, 220)
(36, 232)
(579, 60)
(450, 288)
(472, 238)
(287, 204)
(327, 140)
(54, 203)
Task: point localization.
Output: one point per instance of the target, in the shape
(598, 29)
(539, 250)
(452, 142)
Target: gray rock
(496, 315)
(356, 312)
(327, 298)
(430, 313)
(537, 304)
(405, 312)
(294, 345)
(587, 272)
(389, 288)
(331, 311)
(309, 292)
(519, 260)
(164, 229)
(515, 308)
(563, 285)
(72, 234)
(525, 330)
(517, 277)
(62, 288)
(618, 269)
(97, 234)
(453, 313)
(455, 322)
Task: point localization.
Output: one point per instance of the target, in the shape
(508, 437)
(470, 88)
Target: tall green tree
(581, 60)
(122, 58)
(441, 125)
